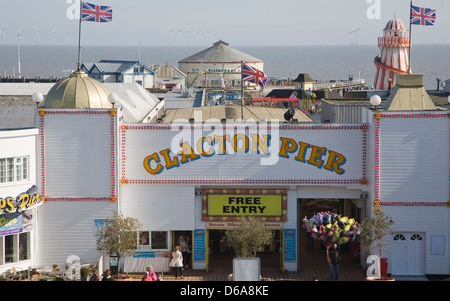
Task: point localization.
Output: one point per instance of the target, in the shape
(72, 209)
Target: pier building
(217, 66)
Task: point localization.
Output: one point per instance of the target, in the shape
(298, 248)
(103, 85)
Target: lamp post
(375, 101)
(112, 98)
(37, 98)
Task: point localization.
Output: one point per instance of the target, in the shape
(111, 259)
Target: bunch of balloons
(326, 226)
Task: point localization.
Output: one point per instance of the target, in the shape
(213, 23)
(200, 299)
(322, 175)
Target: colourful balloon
(343, 240)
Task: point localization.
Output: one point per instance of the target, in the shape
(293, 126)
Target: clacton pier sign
(328, 154)
(303, 152)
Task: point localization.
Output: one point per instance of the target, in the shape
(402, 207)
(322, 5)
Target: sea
(322, 63)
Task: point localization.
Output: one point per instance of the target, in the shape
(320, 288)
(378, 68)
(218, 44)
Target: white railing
(339, 84)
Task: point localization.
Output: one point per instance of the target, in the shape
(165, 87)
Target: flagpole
(242, 92)
(79, 37)
(409, 49)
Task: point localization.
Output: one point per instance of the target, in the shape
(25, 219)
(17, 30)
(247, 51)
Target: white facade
(76, 163)
(17, 175)
(400, 160)
(410, 183)
(168, 191)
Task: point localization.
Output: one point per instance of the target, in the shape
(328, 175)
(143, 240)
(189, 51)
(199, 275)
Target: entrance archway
(312, 253)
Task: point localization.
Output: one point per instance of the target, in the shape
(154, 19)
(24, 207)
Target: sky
(238, 22)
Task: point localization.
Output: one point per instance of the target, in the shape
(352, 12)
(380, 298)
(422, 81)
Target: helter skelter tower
(394, 56)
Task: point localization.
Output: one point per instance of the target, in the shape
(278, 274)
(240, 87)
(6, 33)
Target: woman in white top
(177, 262)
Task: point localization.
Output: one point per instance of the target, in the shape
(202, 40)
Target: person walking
(177, 262)
(334, 256)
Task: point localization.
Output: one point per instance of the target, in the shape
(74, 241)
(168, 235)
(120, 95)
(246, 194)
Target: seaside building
(93, 162)
(117, 71)
(192, 172)
(169, 77)
(19, 199)
(394, 56)
(217, 66)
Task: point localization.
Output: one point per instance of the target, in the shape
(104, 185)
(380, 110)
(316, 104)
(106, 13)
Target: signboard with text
(229, 204)
(243, 154)
(244, 204)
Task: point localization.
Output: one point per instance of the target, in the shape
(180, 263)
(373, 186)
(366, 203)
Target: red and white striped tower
(394, 56)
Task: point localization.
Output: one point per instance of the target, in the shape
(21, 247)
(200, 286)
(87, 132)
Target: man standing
(334, 255)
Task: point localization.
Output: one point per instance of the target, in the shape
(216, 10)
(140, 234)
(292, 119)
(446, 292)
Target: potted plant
(84, 272)
(373, 238)
(252, 236)
(118, 236)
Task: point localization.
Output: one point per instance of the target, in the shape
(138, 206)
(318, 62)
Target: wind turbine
(19, 40)
(67, 35)
(201, 37)
(196, 38)
(38, 39)
(22, 34)
(3, 32)
(188, 37)
(179, 36)
(54, 36)
(170, 29)
(351, 32)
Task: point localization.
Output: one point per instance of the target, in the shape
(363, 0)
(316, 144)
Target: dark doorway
(221, 256)
(310, 249)
(185, 238)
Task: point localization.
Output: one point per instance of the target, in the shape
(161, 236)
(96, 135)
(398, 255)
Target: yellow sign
(251, 204)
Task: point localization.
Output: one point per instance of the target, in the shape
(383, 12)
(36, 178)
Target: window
(24, 246)
(138, 69)
(156, 240)
(10, 248)
(14, 169)
(2, 170)
(399, 237)
(16, 247)
(10, 169)
(144, 238)
(416, 237)
(159, 240)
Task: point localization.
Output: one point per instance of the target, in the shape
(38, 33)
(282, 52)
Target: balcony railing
(393, 42)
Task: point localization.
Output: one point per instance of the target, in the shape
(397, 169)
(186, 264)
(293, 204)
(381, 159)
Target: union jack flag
(422, 16)
(96, 13)
(253, 75)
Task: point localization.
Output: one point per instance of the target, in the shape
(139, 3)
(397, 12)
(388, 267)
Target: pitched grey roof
(112, 66)
(165, 71)
(220, 52)
(409, 94)
(16, 112)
